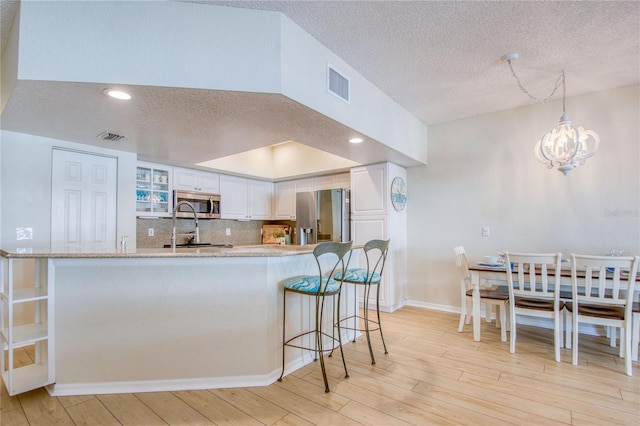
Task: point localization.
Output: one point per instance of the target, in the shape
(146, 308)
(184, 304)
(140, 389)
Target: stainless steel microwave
(207, 205)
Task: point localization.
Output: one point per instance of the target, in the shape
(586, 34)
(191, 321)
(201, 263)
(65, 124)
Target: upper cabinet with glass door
(153, 190)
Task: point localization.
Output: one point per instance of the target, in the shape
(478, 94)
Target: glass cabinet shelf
(153, 192)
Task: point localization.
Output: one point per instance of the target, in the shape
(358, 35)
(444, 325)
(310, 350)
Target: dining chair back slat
(534, 290)
(605, 298)
(533, 274)
(602, 284)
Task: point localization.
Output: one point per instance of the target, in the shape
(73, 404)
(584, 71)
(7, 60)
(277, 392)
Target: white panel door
(83, 199)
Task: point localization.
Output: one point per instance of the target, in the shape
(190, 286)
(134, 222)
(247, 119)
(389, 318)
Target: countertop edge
(239, 251)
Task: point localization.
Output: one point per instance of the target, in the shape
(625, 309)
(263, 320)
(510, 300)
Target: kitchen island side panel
(127, 324)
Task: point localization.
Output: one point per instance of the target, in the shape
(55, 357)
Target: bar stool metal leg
(319, 287)
(376, 253)
(384, 345)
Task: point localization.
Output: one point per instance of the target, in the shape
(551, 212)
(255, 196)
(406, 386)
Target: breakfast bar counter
(168, 319)
(100, 252)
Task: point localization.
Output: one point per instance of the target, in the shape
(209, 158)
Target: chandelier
(565, 146)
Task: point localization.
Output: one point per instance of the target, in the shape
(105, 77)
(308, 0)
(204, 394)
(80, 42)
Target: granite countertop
(97, 252)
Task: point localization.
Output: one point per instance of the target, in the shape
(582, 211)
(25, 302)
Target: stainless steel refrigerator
(322, 216)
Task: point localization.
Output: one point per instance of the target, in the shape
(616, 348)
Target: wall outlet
(150, 232)
(485, 231)
(228, 231)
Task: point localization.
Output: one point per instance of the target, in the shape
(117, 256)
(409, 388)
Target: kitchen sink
(192, 245)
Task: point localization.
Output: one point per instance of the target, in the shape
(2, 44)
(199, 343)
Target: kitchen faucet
(195, 218)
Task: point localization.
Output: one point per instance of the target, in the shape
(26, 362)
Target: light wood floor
(432, 375)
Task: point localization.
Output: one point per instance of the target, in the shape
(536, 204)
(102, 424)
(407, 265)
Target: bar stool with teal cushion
(318, 286)
(376, 255)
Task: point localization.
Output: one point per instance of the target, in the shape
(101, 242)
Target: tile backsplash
(211, 231)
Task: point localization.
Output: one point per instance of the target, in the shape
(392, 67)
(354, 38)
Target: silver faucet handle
(123, 243)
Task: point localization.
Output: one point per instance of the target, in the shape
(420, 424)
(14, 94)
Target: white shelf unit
(35, 301)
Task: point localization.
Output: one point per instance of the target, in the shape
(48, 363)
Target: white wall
(370, 111)
(162, 44)
(25, 182)
(482, 172)
(9, 64)
(229, 49)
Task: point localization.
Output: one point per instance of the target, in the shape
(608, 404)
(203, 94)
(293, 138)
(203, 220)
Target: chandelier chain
(559, 81)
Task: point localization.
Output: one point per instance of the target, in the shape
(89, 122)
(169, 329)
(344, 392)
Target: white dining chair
(604, 297)
(635, 328)
(534, 291)
(498, 298)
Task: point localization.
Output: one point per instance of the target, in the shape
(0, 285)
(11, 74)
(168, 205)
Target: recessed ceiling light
(355, 140)
(118, 94)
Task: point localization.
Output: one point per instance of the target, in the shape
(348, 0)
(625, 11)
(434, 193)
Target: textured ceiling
(438, 60)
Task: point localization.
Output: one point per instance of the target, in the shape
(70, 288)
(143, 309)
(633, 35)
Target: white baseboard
(256, 380)
(588, 329)
(69, 389)
(383, 307)
(161, 385)
(435, 307)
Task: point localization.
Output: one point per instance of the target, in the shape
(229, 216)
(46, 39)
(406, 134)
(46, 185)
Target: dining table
(497, 273)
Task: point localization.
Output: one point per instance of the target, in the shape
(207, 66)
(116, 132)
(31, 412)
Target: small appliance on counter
(272, 233)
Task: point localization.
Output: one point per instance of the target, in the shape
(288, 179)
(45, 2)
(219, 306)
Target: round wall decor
(398, 193)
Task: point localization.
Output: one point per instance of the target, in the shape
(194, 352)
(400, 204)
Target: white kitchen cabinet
(285, 192)
(233, 197)
(366, 228)
(260, 199)
(338, 181)
(305, 185)
(373, 217)
(342, 180)
(245, 199)
(36, 299)
(323, 182)
(153, 190)
(196, 181)
(285, 201)
(369, 189)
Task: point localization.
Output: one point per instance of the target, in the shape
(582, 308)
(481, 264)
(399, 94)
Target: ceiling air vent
(337, 83)
(110, 137)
